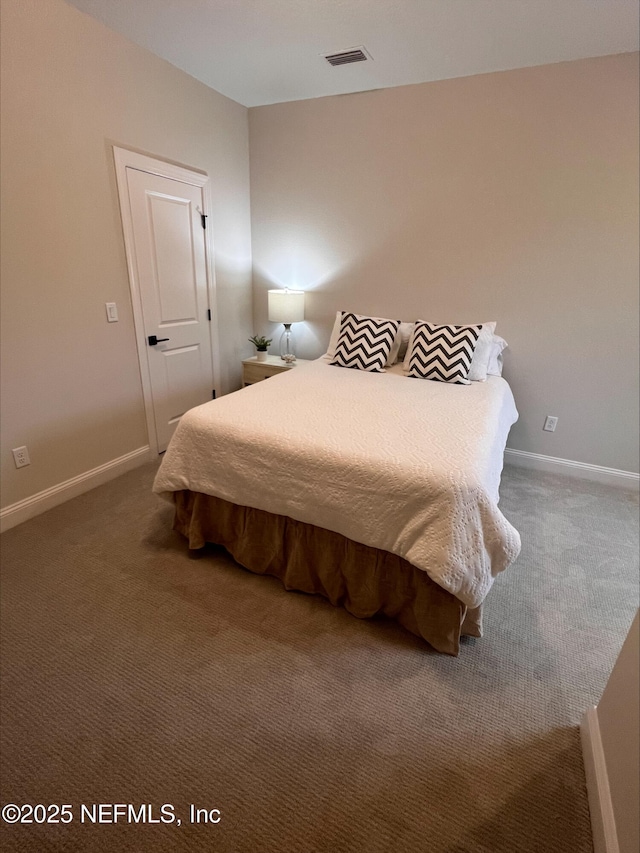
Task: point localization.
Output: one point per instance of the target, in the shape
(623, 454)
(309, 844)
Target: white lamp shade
(286, 306)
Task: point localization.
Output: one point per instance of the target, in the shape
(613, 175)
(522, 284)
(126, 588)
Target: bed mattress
(404, 465)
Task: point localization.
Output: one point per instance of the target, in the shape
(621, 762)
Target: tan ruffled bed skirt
(363, 580)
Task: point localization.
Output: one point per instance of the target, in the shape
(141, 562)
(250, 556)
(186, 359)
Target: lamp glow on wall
(286, 306)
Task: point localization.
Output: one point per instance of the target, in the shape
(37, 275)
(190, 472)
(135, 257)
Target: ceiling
(267, 51)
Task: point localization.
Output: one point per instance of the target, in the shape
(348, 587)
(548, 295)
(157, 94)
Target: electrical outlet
(550, 423)
(21, 457)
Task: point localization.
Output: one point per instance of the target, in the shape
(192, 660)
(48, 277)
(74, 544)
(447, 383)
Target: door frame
(124, 158)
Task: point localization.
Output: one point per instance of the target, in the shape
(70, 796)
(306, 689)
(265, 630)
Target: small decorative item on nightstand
(260, 343)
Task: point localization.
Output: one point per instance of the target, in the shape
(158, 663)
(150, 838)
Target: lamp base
(287, 351)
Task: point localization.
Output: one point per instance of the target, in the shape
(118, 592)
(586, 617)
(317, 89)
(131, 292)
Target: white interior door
(167, 258)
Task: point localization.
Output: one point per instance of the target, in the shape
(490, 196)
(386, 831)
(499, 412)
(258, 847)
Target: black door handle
(153, 340)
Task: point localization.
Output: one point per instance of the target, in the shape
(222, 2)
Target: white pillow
(405, 333)
(494, 367)
(400, 342)
(482, 353)
(333, 340)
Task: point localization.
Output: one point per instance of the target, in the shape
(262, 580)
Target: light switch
(112, 312)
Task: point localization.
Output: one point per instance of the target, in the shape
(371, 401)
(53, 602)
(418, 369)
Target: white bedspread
(405, 465)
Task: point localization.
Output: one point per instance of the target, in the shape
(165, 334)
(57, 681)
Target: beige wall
(70, 90)
(509, 197)
(619, 722)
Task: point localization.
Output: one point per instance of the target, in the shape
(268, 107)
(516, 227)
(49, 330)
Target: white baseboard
(23, 510)
(610, 476)
(603, 824)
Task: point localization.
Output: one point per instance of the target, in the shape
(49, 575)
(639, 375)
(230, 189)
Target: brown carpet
(135, 673)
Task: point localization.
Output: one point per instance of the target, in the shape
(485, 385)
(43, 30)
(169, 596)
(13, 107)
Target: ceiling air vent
(345, 57)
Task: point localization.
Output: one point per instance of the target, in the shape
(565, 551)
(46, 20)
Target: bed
(377, 490)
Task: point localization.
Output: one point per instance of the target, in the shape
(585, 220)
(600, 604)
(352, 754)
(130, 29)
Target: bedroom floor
(135, 673)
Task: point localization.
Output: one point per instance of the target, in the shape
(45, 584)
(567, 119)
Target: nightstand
(255, 371)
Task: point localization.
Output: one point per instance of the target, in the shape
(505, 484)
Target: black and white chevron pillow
(442, 353)
(364, 342)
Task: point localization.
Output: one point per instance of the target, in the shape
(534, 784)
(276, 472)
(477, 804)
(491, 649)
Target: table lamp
(286, 306)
